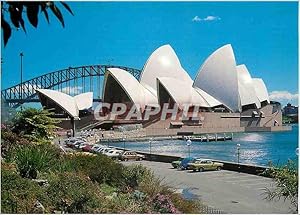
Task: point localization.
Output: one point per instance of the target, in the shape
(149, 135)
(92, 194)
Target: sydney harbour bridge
(72, 80)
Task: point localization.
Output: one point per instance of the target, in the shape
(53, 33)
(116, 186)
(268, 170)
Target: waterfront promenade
(227, 191)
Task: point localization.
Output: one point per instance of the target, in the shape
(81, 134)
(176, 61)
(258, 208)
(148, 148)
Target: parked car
(79, 143)
(103, 150)
(185, 162)
(72, 144)
(87, 148)
(82, 145)
(70, 141)
(114, 153)
(176, 164)
(96, 147)
(131, 155)
(204, 164)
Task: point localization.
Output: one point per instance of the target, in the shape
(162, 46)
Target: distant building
(290, 110)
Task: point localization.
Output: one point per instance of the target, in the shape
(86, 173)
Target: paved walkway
(231, 192)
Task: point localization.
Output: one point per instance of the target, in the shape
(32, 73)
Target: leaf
(14, 16)
(32, 13)
(22, 24)
(67, 7)
(57, 13)
(43, 6)
(6, 30)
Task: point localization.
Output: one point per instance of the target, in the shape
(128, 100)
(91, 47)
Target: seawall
(231, 166)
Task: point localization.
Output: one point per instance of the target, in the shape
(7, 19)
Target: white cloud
(72, 90)
(196, 19)
(284, 97)
(206, 19)
(211, 18)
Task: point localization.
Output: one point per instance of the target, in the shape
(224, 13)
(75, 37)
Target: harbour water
(255, 148)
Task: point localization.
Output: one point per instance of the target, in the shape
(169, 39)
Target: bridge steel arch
(25, 92)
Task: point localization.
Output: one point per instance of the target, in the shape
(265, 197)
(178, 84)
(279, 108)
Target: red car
(87, 148)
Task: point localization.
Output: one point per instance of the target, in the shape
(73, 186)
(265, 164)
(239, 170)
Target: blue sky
(264, 36)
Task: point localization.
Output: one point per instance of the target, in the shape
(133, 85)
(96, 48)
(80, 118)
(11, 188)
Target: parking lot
(226, 191)
(230, 192)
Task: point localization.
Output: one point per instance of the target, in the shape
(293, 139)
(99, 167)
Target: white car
(95, 147)
(70, 140)
(114, 153)
(104, 150)
(98, 148)
(73, 142)
(78, 143)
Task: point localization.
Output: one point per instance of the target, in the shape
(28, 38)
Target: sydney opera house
(227, 97)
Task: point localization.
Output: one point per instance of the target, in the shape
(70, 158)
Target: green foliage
(101, 168)
(32, 159)
(133, 175)
(34, 124)
(152, 186)
(9, 142)
(125, 203)
(74, 193)
(16, 10)
(18, 195)
(289, 119)
(286, 183)
(78, 183)
(185, 205)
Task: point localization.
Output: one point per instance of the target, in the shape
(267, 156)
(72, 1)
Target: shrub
(32, 159)
(286, 183)
(101, 168)
(18, 195)
(133, 175)
(163, 204)
(125, 203)
(185, 205)
(151, 185)
(74, 193)
(9, 142)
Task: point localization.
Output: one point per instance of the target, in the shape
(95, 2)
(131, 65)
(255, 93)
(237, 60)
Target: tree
(16, 9)
(35, 124)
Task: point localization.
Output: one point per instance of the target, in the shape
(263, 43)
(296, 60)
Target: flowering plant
(163, 204)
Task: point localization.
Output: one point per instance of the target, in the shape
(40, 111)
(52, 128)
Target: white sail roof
(218, 77)
(179, 90)
(182, 92)
(137, 93)
(198, 99)
(66, 102)
(211, 101)
(246, 87)
(84, 100)
(218, 82)
(163, 62)
(261, 90)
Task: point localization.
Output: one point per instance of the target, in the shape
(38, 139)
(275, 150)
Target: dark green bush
(74, 193)
(101, 168)
(32, 159)
(133, 175)
(18, 194)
